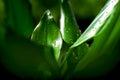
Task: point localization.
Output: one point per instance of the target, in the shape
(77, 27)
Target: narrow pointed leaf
(68, 26)
(104, 52)
(97, 23)
(19, 16)
(47, 33)
(70, 33)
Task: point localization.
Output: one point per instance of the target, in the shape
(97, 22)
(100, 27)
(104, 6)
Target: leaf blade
(97, 23)
(104, 52)
(68, 25)
(47, 33)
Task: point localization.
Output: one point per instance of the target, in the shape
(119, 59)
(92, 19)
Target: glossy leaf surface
(104, 52)
(47, 33)
(97, 23)
(68, 26)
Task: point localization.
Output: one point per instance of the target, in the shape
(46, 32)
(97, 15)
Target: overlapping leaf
(47, 33)
(97, 24)
(104, 52)
(70, 32)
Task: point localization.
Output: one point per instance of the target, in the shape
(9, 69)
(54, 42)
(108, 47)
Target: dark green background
(84, 10)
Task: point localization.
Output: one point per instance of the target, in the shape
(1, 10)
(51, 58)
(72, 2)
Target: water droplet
(106, 12)
(76, 58)
(67, 31)
(78, 35)
(55, 43)
(73, 54)
(87, 45)
(71, 41)
(100, 22)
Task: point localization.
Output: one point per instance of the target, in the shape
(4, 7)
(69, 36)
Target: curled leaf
(47, 33)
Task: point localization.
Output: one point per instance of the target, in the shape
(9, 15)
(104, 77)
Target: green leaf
(73, 56)
(104, 52)
(19, 17)
(97, 23)
(47, 33)
(68, 26)
(70, 33)
(27, 60)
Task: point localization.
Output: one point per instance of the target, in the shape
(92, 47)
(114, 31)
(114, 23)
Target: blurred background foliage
(84, 10)
(2, 12)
